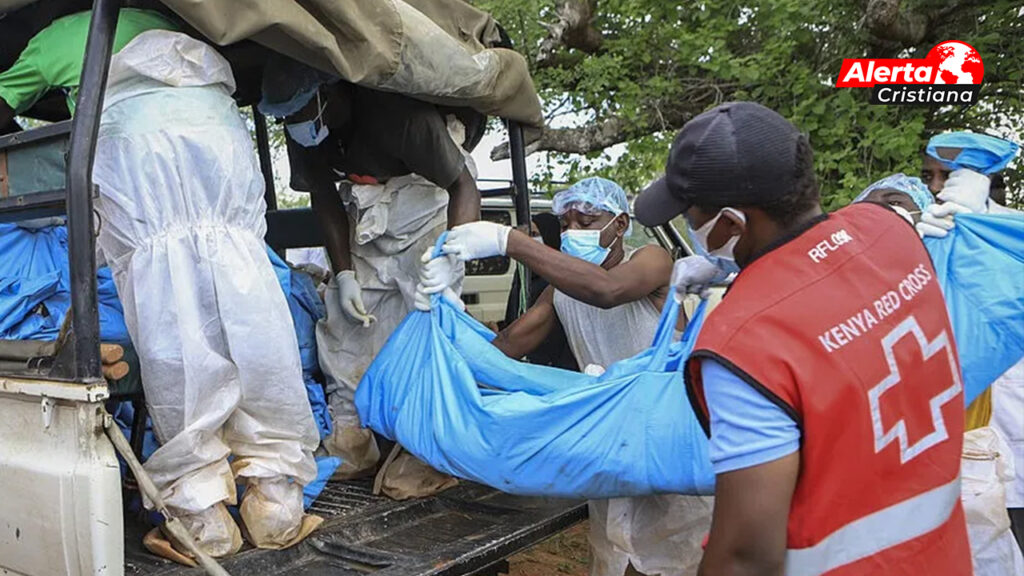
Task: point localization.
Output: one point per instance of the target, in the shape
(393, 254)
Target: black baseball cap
(737, 153)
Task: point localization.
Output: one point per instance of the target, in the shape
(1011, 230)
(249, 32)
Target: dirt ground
(563, 554)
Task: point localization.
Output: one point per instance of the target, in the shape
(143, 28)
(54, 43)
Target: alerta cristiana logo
(950, 74)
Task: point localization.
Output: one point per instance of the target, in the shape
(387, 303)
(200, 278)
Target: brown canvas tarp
(436, 50)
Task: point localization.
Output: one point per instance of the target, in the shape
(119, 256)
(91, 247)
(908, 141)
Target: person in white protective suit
(386, 174)
(608, 299)
(182, 212)
(965, 191)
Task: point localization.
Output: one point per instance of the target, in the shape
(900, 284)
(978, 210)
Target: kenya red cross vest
(845, 328)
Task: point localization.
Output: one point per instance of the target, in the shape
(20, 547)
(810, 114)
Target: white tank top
(603, 337)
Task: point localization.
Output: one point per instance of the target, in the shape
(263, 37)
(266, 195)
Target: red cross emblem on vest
(885, 433)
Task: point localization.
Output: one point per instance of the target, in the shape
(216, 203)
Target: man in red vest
(827, 378)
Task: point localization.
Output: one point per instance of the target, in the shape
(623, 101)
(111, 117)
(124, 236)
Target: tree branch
(890, 25)
(885, 21)
(656, 116)
(572, 30)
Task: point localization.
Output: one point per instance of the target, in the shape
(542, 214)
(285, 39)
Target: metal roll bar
(85, 321)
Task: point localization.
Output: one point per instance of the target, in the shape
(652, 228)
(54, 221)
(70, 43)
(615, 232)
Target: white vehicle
(488, 281)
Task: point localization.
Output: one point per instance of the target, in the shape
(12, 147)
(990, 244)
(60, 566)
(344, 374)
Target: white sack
(986, 469)
(1008, 419)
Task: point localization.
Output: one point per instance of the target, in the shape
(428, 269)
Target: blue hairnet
(909, 185)
(591, 196)
(289, 85)
(979, 152)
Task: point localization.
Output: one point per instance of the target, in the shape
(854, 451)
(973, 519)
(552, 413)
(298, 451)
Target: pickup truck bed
(467, 529)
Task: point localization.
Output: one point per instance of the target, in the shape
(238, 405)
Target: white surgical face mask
(311, 132)
(538, 239)
(722, 256)
(586, 244)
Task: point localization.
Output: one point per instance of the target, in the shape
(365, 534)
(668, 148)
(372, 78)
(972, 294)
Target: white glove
(477, 240)
(693, 275)
(967, 188)
(593, 370)
(318, 274)
(937, 219)
(40, 223)
(350, 296)
(439, 273)
(422, 300)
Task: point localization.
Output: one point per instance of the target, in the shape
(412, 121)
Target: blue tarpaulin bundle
(35, 286)
(439, 388)
(980, 266)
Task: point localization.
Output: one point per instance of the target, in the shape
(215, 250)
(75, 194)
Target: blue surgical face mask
(586, 244)
(311, 132)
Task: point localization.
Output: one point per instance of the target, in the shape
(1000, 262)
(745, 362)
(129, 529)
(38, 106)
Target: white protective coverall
(985, 473)
(992, 473)
(182, 224)
(391, 225)
(1008, 410)
(1008, 419)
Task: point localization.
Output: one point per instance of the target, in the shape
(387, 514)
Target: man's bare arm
(463, 200)
(748, 529)
(529, 330)
(333, 220)
(645, 273)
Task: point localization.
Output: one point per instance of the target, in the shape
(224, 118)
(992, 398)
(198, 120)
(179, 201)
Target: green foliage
(782, 53)
(286, 197)
(289, 199)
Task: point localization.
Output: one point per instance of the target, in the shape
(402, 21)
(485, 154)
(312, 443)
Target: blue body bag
(980, 267)
(442, 390)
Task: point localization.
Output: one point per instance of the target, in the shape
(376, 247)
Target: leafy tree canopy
(633, 72)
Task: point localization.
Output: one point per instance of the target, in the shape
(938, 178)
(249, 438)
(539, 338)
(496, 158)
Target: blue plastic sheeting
(442, 390)
(978, 152)
(35, 287)
(980, 266)
(306, 308)
(325, 467)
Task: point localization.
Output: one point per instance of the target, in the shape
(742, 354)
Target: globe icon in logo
(956, 62)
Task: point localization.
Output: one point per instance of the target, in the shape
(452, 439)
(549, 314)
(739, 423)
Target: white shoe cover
(214, 530)
(272, 511)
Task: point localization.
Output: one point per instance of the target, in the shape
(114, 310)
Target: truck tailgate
(457, 532)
